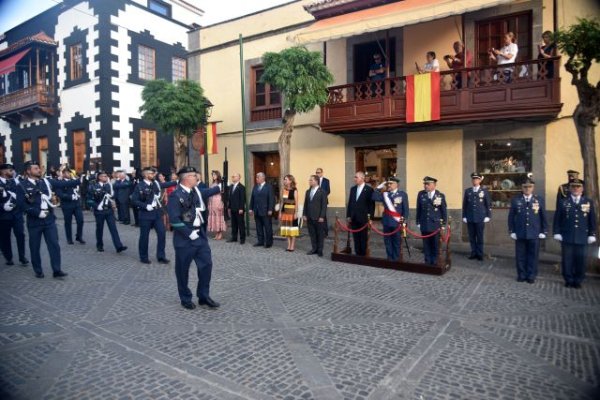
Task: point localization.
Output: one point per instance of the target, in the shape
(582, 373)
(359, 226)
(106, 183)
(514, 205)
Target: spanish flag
(211, 138)
(423, 97)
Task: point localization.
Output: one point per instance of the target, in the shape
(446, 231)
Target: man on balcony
(462, 59)
(377, 68)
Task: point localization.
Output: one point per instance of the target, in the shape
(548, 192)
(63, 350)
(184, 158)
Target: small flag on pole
(423, 97)
(211, 138)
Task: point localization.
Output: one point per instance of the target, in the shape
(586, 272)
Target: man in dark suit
(262, 203)
(122, 188)
(575, 228)
(527, 225)
(324, 184)
(360, 206)
(432, 214)
(476, 212)
(315, 210)
(237, 207)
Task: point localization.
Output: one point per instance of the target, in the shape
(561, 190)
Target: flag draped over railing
(211, 138)
(423, 97)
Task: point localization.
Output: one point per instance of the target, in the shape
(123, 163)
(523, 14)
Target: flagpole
(244, 149)
(206, 155)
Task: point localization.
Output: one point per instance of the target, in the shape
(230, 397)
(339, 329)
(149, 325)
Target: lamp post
(208, 111)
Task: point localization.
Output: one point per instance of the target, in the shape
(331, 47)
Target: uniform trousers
(184, 256)
(109, 218)
(475, 230)
(430, 248)
(16, 226)
(49, 231)
(573, 262)
(526, 251)
(392, 243)
(238, 226)
(145, 226)
(68, 214)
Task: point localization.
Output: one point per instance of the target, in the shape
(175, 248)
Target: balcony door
(363, 57)
(78, 150)
(490, 34)
(26, 149)
(43, 153)
(148, 156)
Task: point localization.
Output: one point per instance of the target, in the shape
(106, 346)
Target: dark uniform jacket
(527, 220)
(476, 205)
(431, 213)
(8, 195)
(66, 195)
(399, 200)
(29, 196)
(144, 195)
(96, 197)
(575, 222)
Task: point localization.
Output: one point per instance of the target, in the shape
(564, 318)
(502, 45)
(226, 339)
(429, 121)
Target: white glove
(8, 206)
(74, 197)
(542, 236)
(513, 236)
(591, 239)
(99, 208)
(150, 208)
(558, 237)
(419, 226)
(486, 219)
(381, 186)
(194, 235)
(43, 214)
(465, 220)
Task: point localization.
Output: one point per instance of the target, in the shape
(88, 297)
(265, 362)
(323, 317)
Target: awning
(394, 15)
(7, 66)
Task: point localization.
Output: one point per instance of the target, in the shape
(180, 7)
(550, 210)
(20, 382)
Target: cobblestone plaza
(293, 326)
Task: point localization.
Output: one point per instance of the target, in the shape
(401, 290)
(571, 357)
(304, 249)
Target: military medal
(585, 208)
(535, 207)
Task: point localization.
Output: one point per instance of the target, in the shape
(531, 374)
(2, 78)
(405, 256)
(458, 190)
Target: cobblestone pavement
(293, 326)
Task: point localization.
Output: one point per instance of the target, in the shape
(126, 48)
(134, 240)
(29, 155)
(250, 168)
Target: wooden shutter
(43, 152)
(148, 148)
(26, 145)
(490, 34)
(78, 150)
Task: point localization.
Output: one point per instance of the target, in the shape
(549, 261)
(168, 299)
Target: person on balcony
(432, 64)
(462, 59)
(547, 49)
(506, 55)
(377, 68)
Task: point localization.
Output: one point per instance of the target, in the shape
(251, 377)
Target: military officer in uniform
(146, 197)
(11, 216)
(34, 194)
(185, 207)
(71, 206)
(527, 225)
(122, 187)
(395, 203)
(432, 214)
(564, 189)
(575, 228)
(100, 198)
(476, 212)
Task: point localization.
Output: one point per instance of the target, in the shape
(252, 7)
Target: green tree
(178, 109)
(302, 78)
(581, 42)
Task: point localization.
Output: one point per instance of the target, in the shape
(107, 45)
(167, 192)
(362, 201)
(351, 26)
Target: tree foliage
(581, 42)
(177, 108)
(300, 75)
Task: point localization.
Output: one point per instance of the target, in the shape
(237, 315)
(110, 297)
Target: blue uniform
(399, 202)
(122, 190)
(100, 199)
(11, 219)
(432, 214)
(71, 206)
(146, 195)
(527, 219)
(575, 222)
(34, 196)
(182, 209)
(477, 206)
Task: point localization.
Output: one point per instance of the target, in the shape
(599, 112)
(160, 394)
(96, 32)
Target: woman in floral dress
(287, 212)
(216, 218)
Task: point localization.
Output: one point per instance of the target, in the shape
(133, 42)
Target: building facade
(72, 78)
(504, 129)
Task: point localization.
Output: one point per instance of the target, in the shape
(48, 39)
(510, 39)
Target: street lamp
(208, 112)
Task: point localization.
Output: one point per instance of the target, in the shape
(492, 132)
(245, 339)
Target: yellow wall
(437, 154)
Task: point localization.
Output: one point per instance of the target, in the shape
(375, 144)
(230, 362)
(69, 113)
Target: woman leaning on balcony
(547, 49)
(506, 55)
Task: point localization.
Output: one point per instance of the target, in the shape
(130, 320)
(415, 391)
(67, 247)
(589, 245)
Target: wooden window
(148, 148)
(178, 66)
(79, 147)
(76, 62)
(489, 33)
(146, 66)
(26, 147)
(43, 152)
(265, 99)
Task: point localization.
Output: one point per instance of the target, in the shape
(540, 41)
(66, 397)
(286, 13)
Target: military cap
(475, 175)
(429, 179)
(528, 182)
(6, 166)
(576, 182)
(572, 172)
(185, 170)
(393, 179)
(30, 164)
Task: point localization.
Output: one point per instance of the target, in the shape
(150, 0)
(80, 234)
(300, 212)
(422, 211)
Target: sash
(390, 209)
(199, 220)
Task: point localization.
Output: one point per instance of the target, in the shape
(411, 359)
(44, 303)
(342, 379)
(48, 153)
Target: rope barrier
(345, 227)
(398, 229)
(432, 234)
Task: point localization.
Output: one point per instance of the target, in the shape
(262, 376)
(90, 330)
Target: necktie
(312, 194)
(358, 191)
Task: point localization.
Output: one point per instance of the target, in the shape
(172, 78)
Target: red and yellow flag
(211, 138)
(423, 97)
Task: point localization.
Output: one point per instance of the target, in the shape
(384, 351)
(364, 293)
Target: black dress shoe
(576, 285)
(40, 275)
(531, 281)
(320, 254)
(145, 261)
(80, 241)
(520, 280)
(24, 261)
(567, 284)
(267, 246)
(100, 249)
(59, 274)
(231, 241)
(70, 242)
(480, 258)
(163, 261)
(472, 257)
(242, 241)
(10, 262)
(258, 245)
(208, 302)
(189, 305)
(121, 249)
(311, 252)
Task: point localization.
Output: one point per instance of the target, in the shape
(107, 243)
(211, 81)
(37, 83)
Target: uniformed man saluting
(527, 225)
(185, 207)
(564, 190)
(575, 227)
(431, 215)
(476, 212)
(395, 212)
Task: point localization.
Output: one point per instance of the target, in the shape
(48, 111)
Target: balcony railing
(527, 89)
(36, 96)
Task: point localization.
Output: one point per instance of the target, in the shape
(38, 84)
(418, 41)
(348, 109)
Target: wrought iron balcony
(28, 100)
(530, 91)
